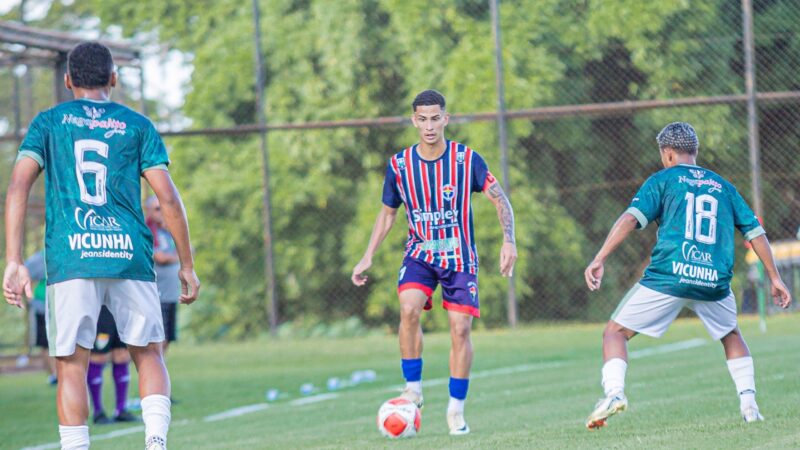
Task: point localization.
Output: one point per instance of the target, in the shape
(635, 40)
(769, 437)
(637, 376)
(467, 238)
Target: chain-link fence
(588, 84)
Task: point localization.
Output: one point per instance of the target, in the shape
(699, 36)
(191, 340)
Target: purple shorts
(459, 289)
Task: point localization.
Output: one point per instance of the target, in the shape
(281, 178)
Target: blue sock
(459, 388)
(412, 369)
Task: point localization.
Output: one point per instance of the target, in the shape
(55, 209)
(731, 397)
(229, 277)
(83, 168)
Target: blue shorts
(459, 289)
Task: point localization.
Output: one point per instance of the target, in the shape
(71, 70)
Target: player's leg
(720, 321)
(410, 337)
(169, 313)
(416, 283)
(460, 298)
(121, 359)
(137, 312)
(72, 310)
(154, 390)
(100, 354)
(644, 311)
(461, 355)
(94, 379)
(71, 402)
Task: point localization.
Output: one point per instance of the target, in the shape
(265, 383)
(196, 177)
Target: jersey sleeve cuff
(638, 215)
(157, 166)
(32, 155)
(754, 233)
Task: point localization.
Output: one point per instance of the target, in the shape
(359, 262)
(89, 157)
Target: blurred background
(563, 98)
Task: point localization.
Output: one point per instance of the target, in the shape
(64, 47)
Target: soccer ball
(399, 418)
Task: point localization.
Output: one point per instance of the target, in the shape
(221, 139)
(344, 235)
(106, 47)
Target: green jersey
(697, 212)
(93, 155)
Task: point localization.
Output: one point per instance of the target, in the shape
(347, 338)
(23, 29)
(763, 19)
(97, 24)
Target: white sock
(156, 416)
(614, 376)
(744, 376)
(74, 438)
(455, 406)
(415, 386)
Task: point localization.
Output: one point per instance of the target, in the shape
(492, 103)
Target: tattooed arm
(508, 252)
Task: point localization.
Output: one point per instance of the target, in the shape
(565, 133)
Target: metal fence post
(752, 107)
(269, 272)
(503, 137)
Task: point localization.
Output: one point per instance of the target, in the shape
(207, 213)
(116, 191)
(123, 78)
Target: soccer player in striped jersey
(98, 249)
(434, 180)
(697, 212)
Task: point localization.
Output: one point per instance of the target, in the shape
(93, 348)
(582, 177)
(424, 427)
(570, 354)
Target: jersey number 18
(700, 209)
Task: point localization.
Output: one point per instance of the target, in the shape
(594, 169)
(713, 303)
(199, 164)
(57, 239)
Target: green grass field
(531, 388)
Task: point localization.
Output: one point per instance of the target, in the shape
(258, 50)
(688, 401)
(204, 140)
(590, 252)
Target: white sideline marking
(241, 411)
(106, 436)
(314, 399)
(236, 412)
(497, 372)
(668, 348)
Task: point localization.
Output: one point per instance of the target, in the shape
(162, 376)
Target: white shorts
(73, 307)
(649, 312)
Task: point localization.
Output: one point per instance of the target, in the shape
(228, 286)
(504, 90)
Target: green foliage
(570, 178)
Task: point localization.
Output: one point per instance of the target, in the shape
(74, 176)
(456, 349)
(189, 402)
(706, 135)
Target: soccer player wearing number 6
(434, 179)
(691, 266)
(98, 249)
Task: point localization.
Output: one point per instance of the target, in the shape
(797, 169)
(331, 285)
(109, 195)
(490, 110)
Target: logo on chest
(448, 192)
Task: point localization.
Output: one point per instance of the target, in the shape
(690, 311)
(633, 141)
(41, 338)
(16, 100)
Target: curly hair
(90, 65)
(679, 136)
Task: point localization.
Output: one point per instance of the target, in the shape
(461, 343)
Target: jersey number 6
(91, 167)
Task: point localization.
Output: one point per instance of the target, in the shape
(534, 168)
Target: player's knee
(615, 330)
(410, 312)
(460, 330)
(151, 350)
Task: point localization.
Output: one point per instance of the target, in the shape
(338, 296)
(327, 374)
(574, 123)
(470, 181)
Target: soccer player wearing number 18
(98, 249)
(435, 180)
(691, 266)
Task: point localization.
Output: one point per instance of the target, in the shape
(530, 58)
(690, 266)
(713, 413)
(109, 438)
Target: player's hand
(358, 278)
(16, 282)
(508, 256)
(780, 294)
(594, 275)
(190, 286)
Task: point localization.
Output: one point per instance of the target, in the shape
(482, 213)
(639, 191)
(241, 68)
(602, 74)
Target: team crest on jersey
(473, 291)
(102, 341)
(92, 112)
(401, 163)
(460, 157)
(697, 173)
(448, 192)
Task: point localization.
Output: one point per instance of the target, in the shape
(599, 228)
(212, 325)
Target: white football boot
(413, 396)
(155, 443)
(606, 408)
(751, 414)
(457, 424)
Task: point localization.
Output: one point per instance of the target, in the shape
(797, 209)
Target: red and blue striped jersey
(437, 196)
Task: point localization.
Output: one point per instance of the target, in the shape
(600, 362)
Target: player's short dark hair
(90, 65)
(679, 136)
(428, 98)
